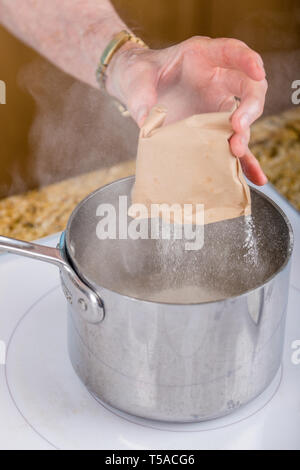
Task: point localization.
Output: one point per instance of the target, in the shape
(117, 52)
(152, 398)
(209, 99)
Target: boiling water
(181, 269)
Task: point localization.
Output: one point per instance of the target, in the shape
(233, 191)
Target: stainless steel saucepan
(168, 334)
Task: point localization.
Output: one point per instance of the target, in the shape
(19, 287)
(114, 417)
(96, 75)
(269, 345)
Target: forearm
(70, 33)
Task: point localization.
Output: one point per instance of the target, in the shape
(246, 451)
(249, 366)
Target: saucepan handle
(32, 250)
(82, 298)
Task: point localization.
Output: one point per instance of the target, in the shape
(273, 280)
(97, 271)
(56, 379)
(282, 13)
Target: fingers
(239, 143)
(232, 54)
(252, 104)
(252, 96)
(252, 169)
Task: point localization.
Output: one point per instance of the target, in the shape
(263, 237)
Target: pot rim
(66, 241)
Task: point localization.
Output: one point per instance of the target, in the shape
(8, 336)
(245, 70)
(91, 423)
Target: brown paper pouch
(189, 162)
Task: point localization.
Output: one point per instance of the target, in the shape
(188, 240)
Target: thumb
(144, 97)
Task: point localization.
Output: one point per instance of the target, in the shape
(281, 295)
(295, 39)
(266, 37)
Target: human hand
(196, 76)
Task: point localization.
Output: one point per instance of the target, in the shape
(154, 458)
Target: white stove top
(43, 405)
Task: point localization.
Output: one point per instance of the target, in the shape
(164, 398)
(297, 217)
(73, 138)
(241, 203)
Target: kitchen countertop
(275, 141)
(45, 211)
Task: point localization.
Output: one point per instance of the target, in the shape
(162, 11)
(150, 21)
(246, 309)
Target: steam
(76, 129)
